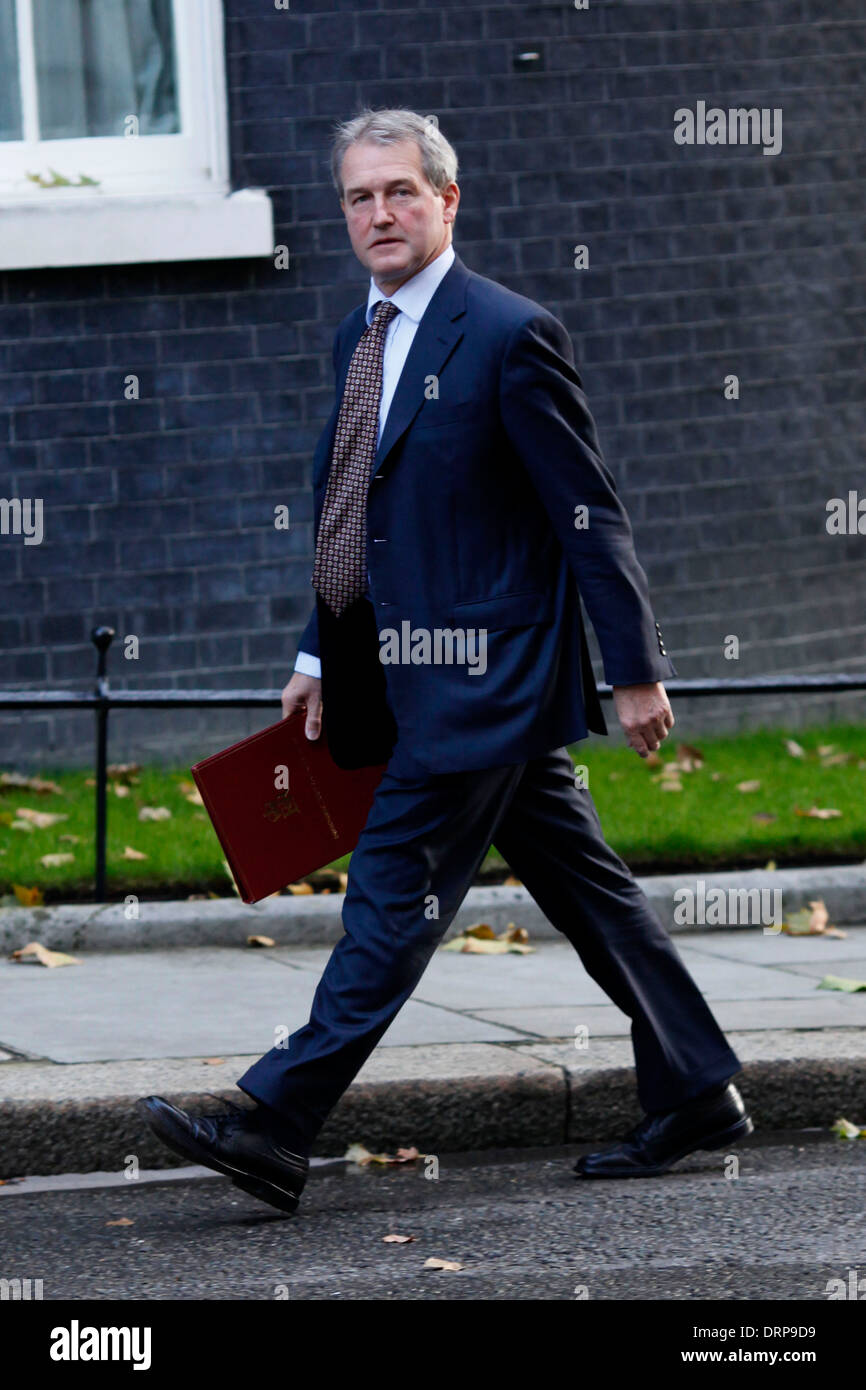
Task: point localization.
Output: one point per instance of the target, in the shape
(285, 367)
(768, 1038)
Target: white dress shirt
(411, 299)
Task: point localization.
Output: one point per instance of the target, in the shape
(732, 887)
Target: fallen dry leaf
(434, 1263)
(482, 930)
(191, 793)
(820, 916)
(837, 759)
(121, 1221)
(130, 853)
(480, 946)
(481, 940)
(798, 923)
(28, 897)
(819, 812)
(154, 813)
(839, 982)
(795, 749)
(845, 1130)
(397, 1240)
(473, 946)
(123, 772)
(825, 749)
(15, 781)
(668, 780)
(357, 1153)
(514, 933)
(213, 1061)
(689, 757)
(69, 839)
(120, 789)
(811, 921)
(300, 888)
(261, 941)
(54, 861)
(752, 785)
(43, 820)
(40, 955)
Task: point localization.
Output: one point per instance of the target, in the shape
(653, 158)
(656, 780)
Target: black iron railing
(102, 700)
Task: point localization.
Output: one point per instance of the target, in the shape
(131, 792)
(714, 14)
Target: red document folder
(273, 834)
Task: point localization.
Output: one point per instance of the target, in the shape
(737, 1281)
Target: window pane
(98, 62)
(10, 90)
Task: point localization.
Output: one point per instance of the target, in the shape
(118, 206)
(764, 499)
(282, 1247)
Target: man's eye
(363, 197)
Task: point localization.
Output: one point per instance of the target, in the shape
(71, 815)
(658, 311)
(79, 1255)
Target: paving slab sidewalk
(491, 1051)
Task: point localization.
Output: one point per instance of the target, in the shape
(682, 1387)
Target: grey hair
(387, 127)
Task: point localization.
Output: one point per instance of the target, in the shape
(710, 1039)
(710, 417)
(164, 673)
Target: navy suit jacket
(488, 450)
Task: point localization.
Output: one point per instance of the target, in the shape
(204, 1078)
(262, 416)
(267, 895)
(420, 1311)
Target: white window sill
(72, 228)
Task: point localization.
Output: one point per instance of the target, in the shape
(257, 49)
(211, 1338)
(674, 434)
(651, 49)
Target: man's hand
(304, 692)
(645, 714)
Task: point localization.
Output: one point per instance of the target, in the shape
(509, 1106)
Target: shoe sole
(741, 1130)
(266, 1191)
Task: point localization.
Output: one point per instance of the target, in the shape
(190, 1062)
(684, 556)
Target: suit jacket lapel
(435, 339)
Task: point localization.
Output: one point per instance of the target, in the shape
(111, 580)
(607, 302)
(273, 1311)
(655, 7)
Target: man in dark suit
(461, 511)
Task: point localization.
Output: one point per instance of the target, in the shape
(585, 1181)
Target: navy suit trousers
(417, 856)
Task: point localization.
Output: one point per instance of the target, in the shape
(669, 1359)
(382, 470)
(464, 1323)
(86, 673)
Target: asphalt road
(521, 1225)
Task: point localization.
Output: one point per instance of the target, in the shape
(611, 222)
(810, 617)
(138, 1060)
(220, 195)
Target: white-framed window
(113, 119)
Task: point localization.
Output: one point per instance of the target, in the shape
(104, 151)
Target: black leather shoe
(239, 1143)
(712, 1121)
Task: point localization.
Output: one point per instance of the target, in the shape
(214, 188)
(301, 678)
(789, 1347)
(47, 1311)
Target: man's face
(397, 221)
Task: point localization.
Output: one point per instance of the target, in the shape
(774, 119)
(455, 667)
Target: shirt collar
(415, 294)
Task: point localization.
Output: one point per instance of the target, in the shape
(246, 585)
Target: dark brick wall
(704, 261)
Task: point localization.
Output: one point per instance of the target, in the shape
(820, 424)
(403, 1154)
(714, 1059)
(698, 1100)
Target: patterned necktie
(339, 571)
